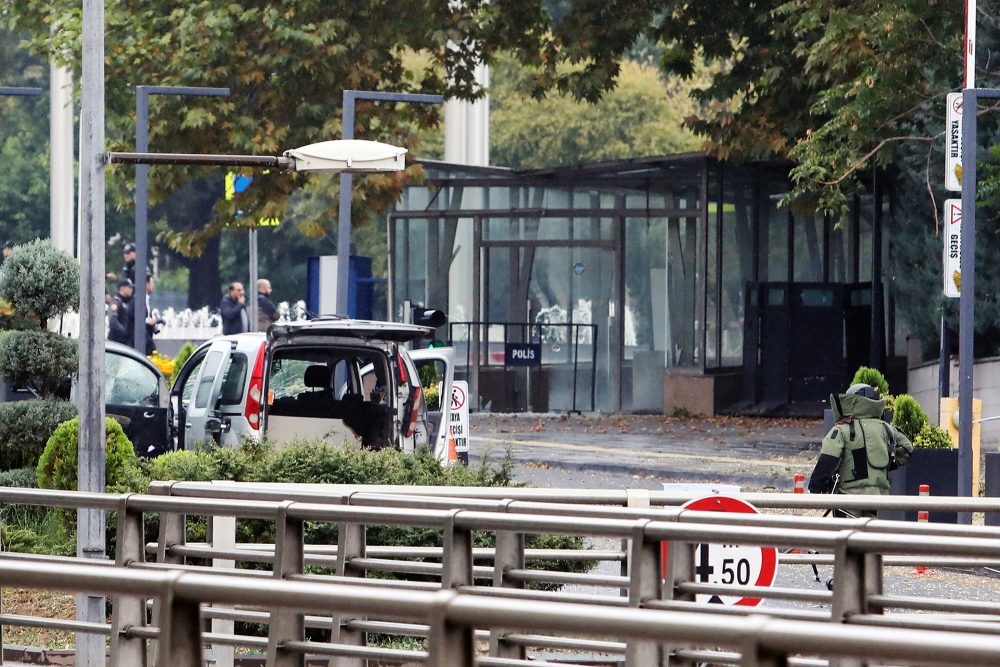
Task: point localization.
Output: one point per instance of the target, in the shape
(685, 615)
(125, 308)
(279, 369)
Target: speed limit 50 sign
(731, 564)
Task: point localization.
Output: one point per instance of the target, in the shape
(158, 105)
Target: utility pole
(91, 454)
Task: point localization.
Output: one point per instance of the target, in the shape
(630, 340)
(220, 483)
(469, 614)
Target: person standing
(267, 312)
(121, 314)
(128, 271)
(233, 311)
(152, 321)
(860, 450)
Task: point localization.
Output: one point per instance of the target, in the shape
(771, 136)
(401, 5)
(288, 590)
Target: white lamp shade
(352, 155)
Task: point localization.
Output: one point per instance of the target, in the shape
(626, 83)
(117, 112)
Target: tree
(642, 116)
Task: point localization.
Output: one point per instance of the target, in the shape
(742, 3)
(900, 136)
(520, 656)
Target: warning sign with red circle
(731, 564)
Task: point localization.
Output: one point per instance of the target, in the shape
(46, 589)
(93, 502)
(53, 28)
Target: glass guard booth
(638, 282)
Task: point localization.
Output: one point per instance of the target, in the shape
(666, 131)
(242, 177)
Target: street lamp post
(142, 94)
(347, 181)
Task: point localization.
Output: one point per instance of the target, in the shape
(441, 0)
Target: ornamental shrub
(25, 427)
(182, 356)
(57, 468)
(40, 280)
(932, 436)
(908, 416)
(873, 378)
(38, 360)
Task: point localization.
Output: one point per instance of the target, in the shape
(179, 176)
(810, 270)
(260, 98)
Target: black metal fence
(561, 345)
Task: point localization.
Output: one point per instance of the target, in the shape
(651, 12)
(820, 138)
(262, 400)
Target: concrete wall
(922, 381)
(700, 394)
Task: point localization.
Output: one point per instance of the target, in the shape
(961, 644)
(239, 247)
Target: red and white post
(923, 516)
(798, 486)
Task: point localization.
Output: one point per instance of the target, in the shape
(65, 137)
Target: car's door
(137, 399)
(437, 365)
(182, 392)
(201, 421)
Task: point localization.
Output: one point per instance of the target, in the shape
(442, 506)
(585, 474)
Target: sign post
(731, 564)
(952, 237)
(953, 151)
(459, 419)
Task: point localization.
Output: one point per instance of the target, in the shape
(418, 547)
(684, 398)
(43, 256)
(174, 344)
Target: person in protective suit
(860, 450)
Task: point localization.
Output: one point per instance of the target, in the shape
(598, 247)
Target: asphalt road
(626, 451)
(646, 451)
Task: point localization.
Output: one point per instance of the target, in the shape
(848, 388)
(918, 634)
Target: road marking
(545, 444)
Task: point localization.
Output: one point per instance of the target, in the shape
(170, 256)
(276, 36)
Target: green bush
(39, 360)
(187, 349)
(908, 416)
(25, 427)
(932, 436)
(873, 378)
(41, 280)
(57, 468)
(19, 477)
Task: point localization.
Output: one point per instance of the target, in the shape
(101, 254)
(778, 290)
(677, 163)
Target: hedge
(41, 280)
(57, 468)
(25, 427)
(41, 360)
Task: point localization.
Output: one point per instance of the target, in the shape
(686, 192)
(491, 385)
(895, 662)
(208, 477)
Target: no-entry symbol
(731, 564)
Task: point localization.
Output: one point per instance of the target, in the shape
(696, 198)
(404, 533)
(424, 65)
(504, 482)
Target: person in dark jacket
(233, 311)
(267, 312)
(121, 314)
(860, 450)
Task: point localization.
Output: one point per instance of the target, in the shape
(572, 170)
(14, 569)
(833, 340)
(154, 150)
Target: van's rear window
(232, 386)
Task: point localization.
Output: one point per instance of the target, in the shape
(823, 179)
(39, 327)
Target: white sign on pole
(459, 419)
(953, 148)
(952, 247)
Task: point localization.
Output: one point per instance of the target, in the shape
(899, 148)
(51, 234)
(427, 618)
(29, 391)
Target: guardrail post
(289, 558)
(350, 544)
(857, 575)
(449, 644)
(456, 561)
(509, 555)
(752, 654)
(222, 535)
(678, 568)
(128, 611)
(634, 499)
(645, 584)
(180, 632)
(173, 532)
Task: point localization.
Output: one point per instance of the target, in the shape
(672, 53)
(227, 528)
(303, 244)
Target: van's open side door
(443, 360)
(202, 421)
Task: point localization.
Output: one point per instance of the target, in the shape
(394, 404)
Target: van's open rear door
(202, 421)
(443, 361)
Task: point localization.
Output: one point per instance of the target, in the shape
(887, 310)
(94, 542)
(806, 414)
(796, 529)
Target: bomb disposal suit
(861, 448)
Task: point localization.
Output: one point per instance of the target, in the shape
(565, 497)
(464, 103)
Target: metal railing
(858, 550)
(453, 618)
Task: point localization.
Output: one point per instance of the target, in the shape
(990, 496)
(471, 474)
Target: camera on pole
(429, 317)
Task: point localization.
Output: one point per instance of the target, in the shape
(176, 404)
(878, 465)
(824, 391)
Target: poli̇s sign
(522, 354)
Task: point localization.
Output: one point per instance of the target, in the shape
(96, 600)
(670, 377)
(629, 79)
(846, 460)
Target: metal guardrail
(859, 548)
(453, 618)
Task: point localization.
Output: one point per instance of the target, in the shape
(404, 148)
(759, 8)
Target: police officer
(861, 449)
(121, 314)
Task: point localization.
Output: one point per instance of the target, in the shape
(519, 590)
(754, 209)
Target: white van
(339, 379)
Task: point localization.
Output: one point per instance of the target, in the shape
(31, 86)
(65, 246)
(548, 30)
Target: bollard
(923, 516)
(798, 486)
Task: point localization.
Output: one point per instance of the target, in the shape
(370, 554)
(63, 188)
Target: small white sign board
(952, 235)
(459, 419)
(953, 142)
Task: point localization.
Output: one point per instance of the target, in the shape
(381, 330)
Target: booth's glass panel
(808, 259)
(737, 263)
